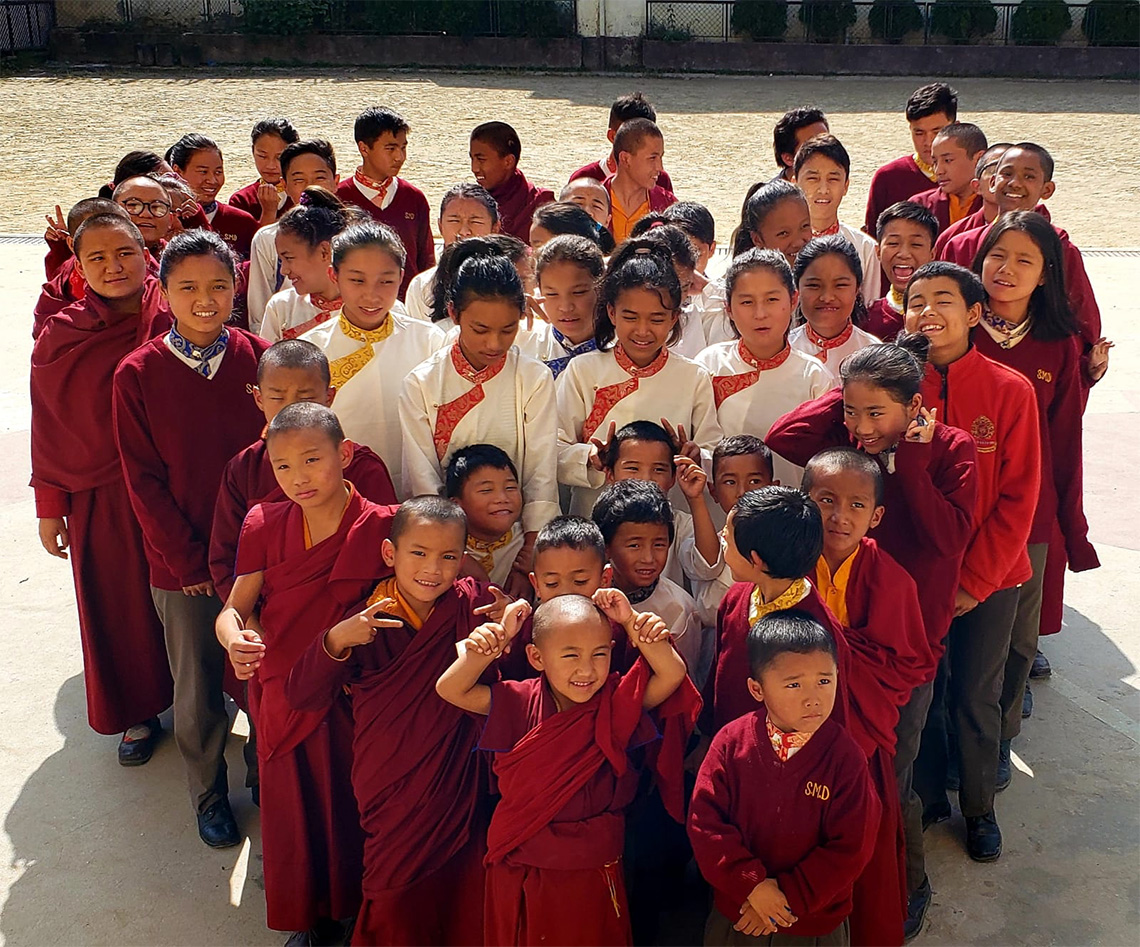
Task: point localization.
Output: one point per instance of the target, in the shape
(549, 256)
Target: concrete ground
(95, 854)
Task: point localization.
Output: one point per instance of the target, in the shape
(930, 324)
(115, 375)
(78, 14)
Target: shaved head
(566, 610)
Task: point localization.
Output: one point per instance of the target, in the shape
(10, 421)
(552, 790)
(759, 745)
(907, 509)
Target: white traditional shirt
(420, 295)
(831, 352)
(289, 315)
(265, 277)
(445, 404)
(686, 566)
(368, 370)
(868, 255)
(497, 557)
(751, 394)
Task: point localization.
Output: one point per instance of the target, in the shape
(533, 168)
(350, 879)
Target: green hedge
(764, 21)
(893, 19)
(1040, 22)
(962, 21)
(1112, 23)
(828, 20)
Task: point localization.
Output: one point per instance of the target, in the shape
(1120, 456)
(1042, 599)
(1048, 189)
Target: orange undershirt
(833, 588)
(387, 588)
(622, 222)
(959, 208)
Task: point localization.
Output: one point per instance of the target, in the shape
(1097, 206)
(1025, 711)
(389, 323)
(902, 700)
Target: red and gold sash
(450, 414)
(605, 398)
(724, 386)
(825, 345)
(381, 186)
(786, 745)
(326, 309)
(827, 231)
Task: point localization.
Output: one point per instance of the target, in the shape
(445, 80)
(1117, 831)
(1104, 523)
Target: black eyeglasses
(134, 207)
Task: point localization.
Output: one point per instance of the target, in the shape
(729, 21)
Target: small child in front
(417, 782)
(790, 876)
(560, 745)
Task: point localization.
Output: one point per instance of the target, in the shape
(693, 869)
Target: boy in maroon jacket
(495, 151)
(792, 875)
(928, 111)
(382, 139)
(183, 407)
(624, 109)
(996, 405)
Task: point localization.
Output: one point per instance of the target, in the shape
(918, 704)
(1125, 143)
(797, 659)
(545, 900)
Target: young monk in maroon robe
(289, 371)
(793, 875)
(560, 745)
(877, 604)
(495, 151)
(775, 537)
(81, 497)
(417, 782)
(302, 565)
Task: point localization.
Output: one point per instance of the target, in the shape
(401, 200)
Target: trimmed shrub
(541, 19)
(1040, 22)
(284, 17)
(828, 20)
(764, 21)
(893, 19)
(962, 21)
(1112, 23)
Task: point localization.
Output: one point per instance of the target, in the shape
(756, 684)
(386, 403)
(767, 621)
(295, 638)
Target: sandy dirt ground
(61, 134)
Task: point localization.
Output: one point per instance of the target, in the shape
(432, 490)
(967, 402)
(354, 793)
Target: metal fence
(539, 18)
(25, 24)
(977, 22)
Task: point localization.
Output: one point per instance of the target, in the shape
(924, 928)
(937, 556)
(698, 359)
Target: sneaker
(916, 907)
(983, 837)
(1041, 667)
(1004, 767)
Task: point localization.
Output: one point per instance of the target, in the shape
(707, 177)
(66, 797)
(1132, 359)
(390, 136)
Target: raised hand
(599, 449)
(921, 429)
(614, 605)
(267, 198)
(691, 476)
(681, 443)
(498, 608)
(361, 628)
(56, 227)
(647, 628)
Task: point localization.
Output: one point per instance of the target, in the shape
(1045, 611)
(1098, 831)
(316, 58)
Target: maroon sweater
(518, 199)
(176, 431)
(939, 205)
(895, 181)
(598, 173)
(248, 480)
(246, 199)
(236, 227)
(1053, 369)
(882, 321)
(929, 500)
(408, 214)
(809, 823)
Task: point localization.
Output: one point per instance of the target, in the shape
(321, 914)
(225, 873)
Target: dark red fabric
(895, 181)
(882, 321)
(969, 222)
(410, 216)
(76, 474)
(518, 199)
(810, 823)
(939, 205)
(58, 254)
(246, 199)
(248, 480)
(67, 287)
(996, 405)
(929, 501)
(176, 431)
(598, 173)
(236, 227)
(963, 248)
(416, 779)
(1053, 369)
(1053, 588)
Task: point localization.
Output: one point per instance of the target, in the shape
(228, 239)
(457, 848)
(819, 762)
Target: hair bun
(915, 343)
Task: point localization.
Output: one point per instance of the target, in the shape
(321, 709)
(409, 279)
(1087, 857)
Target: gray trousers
(197, 663)
(968, 691)
(908, 736)
(719, 932)
(1023, 643)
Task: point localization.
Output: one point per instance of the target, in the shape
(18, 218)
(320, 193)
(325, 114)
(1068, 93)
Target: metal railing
(910, 22)
(538, 18)
(25, 24)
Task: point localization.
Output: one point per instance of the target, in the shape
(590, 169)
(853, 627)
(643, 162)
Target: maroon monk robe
(310, 828)
(66, 287)
(895, 181)
(518, 199)
(417, 782)
(928, 501)
(881, 320)
(890, 656)
(76, 474)
(598, 173)
(814, 850)
(938, 203)
(248, 480)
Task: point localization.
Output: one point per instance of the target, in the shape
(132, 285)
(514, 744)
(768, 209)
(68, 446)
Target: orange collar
(763, 364)
(637, 371)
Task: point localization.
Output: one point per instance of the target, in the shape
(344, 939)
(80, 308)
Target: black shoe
(255, 795)
(1027, 703)
(216, 826)
(953, 780)
(1041, 667)
(934, 813)
(916, 907)
(299, 939)
(1005, 767)
(137, 745)
(983, 837)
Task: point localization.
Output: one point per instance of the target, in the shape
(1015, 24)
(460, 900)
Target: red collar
(763, 364)
(381, 186)
(652, 368)
(834, 228)
(325, 305)
(820, 342)
(467, 370)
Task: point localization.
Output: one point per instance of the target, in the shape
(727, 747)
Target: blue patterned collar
(194, 353)
(558, 365)
(208, 209)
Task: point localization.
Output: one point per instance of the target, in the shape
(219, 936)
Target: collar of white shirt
(193, 362)
(370, 192)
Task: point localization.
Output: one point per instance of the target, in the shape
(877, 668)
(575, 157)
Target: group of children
(442, 527)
